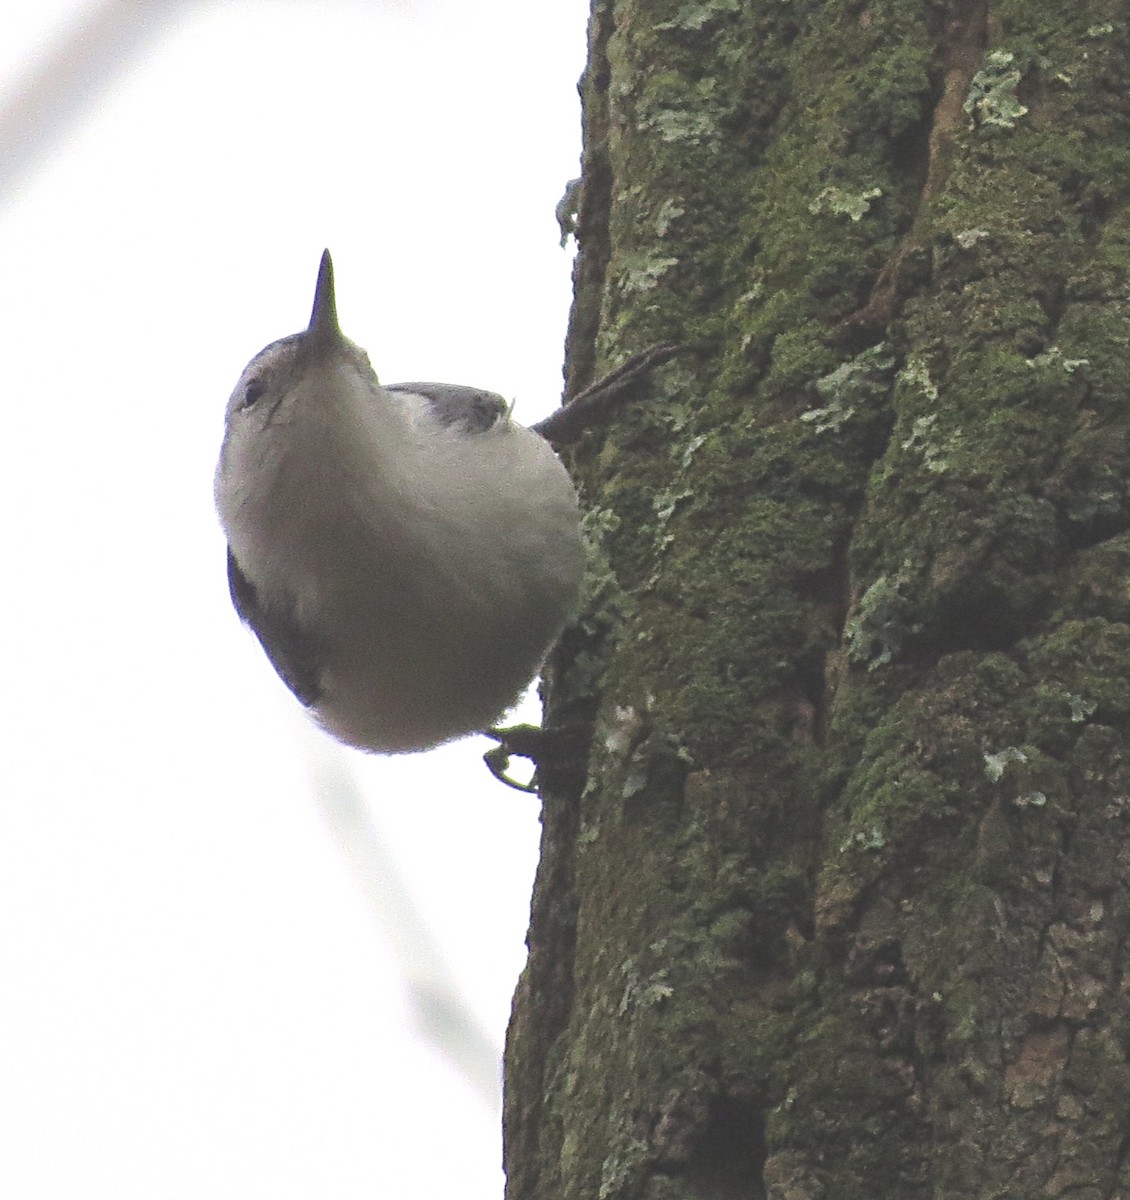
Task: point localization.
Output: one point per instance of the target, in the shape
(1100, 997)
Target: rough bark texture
(839, 903)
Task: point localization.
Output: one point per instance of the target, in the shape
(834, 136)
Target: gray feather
(452, 404)
(292, 653)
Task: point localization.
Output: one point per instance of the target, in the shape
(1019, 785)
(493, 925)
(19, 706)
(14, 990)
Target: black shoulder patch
(452, 404)
(292, 652)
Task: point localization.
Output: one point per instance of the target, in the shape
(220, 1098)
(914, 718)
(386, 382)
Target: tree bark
(836, 901)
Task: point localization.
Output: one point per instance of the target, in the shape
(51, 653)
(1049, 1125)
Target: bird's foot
(554, 747)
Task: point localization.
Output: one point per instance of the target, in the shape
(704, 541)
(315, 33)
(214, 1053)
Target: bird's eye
(254, 392)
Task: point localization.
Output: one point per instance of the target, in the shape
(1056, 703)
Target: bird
(405, 553)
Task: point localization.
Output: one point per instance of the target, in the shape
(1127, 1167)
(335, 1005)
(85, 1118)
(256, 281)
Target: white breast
(433, 566)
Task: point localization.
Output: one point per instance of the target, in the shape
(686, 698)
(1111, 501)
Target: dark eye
(253, 393)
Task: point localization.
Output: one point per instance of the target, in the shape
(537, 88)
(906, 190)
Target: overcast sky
(206, 984)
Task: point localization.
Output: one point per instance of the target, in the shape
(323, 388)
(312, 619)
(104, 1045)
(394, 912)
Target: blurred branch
(66, 79)
(439, 1006)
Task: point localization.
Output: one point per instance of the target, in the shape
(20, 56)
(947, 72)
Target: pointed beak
(323, 320)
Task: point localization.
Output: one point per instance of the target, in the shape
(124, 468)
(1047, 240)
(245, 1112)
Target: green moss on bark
(840, 907)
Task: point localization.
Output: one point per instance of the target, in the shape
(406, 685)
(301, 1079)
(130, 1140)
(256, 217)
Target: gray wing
(293, 654)
(452, 404)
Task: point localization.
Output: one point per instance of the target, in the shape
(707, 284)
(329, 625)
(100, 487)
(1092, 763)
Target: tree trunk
(835, 904)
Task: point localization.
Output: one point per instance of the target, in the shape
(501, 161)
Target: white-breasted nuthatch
(405, 553)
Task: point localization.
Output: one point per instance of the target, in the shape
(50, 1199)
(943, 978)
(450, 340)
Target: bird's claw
(517, 741)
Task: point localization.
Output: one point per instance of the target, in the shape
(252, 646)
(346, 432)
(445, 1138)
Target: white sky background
(198, 997)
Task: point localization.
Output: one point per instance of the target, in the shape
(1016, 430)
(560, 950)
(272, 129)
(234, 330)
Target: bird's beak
(323, 320)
